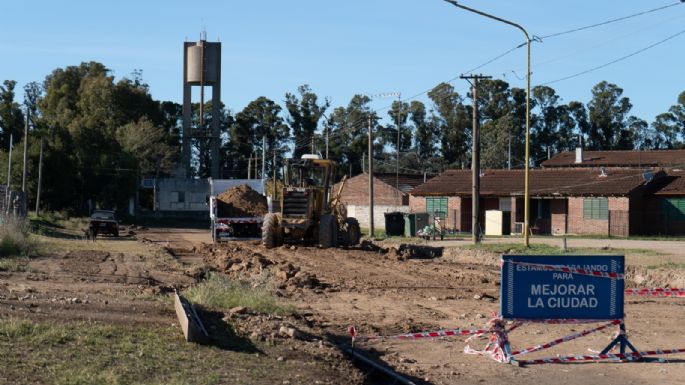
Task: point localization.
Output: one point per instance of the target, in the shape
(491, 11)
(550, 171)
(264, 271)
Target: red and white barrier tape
(495, 348)
(657, 292)
(568, 269)
(564, 339)
(597, 357)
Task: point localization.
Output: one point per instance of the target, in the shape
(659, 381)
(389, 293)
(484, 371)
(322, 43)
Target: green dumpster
(414, 222)
(409, 225)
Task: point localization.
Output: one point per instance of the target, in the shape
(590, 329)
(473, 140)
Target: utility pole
(327, 130)
(399, 129)
(371, 229)
(475, 157)
(363, 162)
(509, 153)
(249, 167)
(9, 165)
(273, 195)
(263, 157)
(26, 141)
(40, 175)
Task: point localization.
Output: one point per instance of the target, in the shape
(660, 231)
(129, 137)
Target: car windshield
(103, 215)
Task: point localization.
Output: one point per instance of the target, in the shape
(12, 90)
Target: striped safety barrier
(564, 339)
(570, 269)
(597, 357)
(656, 292)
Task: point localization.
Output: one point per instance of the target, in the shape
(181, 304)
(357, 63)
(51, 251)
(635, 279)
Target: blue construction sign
(562, 287)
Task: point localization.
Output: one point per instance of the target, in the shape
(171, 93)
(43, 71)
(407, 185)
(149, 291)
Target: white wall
(362, 214)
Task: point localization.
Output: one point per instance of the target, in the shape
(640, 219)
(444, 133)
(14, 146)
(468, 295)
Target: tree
(425, 132)
(348, 139)
(608, 111)
(11, 117)
(305, 113)
(452, 120)
(261, 118)
(149, 146)
(669, 127)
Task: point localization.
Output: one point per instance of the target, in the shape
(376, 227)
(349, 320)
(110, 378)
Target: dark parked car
(104, 222)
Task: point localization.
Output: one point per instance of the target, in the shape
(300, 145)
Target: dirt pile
(241, 201)
(244, 263)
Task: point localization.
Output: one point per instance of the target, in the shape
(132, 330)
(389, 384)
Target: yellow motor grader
(309, 212)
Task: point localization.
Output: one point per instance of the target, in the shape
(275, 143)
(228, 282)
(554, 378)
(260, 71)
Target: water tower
(201, 67)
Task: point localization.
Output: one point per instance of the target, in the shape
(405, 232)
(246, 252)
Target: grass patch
(544, 249)
(14, 264)
(219, 292)
(668, 265)
(16, 239)
(92, 353)
(515, 248)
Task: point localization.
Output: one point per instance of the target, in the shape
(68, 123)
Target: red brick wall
(356, 192)
(558, 210)
(578, 225)
(417, 204)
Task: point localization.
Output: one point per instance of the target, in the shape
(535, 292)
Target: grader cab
(310, 212)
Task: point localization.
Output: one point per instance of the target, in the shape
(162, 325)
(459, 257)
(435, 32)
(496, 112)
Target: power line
(616, 60)
(612, 20)
(537, 39)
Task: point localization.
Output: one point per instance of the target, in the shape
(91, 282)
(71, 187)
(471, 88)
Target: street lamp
(526, 195)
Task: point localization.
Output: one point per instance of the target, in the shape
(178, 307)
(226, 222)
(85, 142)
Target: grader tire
(270, 231)
(353, 231)
(328, 234)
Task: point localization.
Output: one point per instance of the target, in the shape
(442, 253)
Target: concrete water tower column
(201, 67)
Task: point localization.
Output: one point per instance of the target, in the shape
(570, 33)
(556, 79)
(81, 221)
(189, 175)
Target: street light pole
(526, 195)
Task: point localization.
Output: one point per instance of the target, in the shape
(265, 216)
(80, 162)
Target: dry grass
(219, 292)
(93, 353)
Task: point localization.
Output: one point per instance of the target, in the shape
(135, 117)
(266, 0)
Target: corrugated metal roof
(651, 158)
(543, 182)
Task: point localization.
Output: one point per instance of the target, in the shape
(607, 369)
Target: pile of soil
(241, 201)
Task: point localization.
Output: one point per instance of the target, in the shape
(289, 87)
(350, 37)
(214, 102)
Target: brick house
(390, 194)
(562, 201)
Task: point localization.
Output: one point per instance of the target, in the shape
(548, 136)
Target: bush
(15, 238)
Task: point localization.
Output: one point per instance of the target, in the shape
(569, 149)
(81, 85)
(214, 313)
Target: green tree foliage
(608, 111)
(502, 114)
(11, 117)
(259, 119)
(305, 113)
(90, 155)
(452, 120)
(669, 127)
(349, 139)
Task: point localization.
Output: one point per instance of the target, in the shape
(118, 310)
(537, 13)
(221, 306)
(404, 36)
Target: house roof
(543, 182)
(674, 184)
(407, 182)
(652, 158)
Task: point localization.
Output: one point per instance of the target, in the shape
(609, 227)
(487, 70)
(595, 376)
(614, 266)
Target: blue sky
(345, 47)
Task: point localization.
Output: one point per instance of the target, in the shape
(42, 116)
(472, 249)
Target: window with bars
(595, 208)
(437, 206)
(674, 208)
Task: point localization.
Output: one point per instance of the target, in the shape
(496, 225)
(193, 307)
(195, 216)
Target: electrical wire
(615, 60)
(611, 21)
(540, 39)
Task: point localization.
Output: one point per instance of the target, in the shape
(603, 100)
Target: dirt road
(80, 310)
(425, 288)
